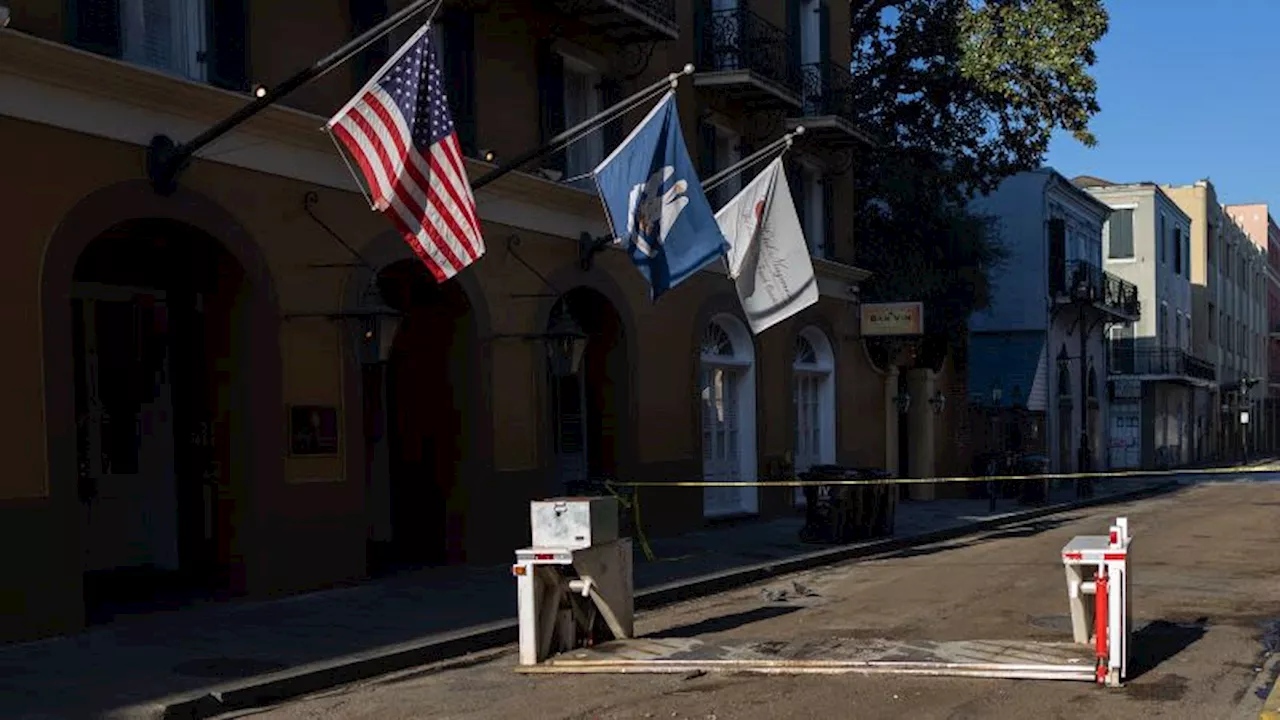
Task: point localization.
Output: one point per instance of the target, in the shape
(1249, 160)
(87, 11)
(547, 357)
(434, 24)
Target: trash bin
(842, 513)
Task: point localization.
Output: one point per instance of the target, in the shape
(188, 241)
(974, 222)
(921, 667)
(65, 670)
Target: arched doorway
(587, 407)
(814, 400)
(159, 312)
(727, 387)
(431, 381)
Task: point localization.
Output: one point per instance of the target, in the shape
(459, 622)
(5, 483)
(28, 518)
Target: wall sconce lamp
(997, 394)
(903, 401)
(565, 342)
(938, 402)
(4, 14)
(488, 155)
(371, 327)
(259, 90)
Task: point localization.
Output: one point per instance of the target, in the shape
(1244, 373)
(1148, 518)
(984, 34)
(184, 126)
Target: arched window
(813, 394)
(727, 384)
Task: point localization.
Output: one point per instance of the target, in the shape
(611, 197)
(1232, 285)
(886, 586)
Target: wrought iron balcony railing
(661, 12)
(738, 39)
(1129, 360)
(1083, 281)
(828, 90)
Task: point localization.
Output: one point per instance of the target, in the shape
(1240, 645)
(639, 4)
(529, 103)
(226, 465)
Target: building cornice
(183, 107)
(62, 86)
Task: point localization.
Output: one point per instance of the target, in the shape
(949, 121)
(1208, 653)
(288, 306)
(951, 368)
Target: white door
(126, 428)
(1126, 436)
(722, 442)
(809, 449)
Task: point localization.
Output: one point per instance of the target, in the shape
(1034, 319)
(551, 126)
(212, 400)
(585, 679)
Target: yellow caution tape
(1274, 467)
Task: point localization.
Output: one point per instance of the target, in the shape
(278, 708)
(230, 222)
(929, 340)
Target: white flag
(768, 258)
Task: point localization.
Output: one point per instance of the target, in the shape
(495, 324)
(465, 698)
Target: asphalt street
(1206, 585)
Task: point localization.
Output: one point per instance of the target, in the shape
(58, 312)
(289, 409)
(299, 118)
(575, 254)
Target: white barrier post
(575, 576)
(1095, 565)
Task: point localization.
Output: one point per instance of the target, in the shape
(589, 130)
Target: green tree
(958, 94)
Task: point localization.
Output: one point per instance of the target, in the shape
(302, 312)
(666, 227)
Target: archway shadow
(726, 622)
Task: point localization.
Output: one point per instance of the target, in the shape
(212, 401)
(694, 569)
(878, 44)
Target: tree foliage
(958, 94)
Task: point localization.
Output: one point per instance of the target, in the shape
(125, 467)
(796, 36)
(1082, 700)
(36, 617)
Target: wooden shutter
(460, 75)
(794, 49)
(824, 31)
(1057, 255)
(364, 15)
(550, 99)
(228, 56)
(795, 179)
(828, 218)
(610, 95)
(708, 164)
(94, 25)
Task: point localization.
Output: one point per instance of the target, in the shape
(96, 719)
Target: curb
(1271, 706)
(306, 679)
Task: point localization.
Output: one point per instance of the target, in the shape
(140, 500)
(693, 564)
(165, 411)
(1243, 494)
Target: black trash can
(839, 513)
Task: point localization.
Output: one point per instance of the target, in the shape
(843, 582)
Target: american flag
(400, 133)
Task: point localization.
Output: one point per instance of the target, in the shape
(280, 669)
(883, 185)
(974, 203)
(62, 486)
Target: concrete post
(891, 421)
(920, 383)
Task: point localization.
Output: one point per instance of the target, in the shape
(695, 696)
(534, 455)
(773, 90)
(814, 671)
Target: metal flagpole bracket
(588, 246)
(167, 159)
(577, 131)
(782, 144)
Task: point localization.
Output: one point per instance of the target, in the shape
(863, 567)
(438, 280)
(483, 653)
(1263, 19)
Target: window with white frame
(727, 390)
(583, 98)
(167, 35)
(813, 397)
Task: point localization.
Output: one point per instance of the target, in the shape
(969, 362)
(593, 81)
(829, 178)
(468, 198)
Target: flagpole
(167, 159)
(755, 157)
(582, 128)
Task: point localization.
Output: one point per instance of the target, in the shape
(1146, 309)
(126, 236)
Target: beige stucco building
(201, 401)
(1229, 302)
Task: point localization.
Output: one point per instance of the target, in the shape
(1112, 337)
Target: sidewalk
(143, 665)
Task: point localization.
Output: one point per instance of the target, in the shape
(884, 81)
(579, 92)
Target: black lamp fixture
(997, 395)
(566, 343)
(938, 402)
(372, 326)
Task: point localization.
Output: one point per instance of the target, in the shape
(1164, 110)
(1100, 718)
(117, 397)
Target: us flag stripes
(399, 131)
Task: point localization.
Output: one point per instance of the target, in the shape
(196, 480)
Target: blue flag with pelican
(655, 204)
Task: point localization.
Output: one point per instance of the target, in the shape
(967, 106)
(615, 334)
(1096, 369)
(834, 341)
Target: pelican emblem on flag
(651, 212)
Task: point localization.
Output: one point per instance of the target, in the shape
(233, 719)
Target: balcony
(625, 21)
(1082, 281)
(827, 105)
(1160, 363)
(743, 56)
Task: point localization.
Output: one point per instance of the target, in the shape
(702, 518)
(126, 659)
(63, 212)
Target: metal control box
(573, 522)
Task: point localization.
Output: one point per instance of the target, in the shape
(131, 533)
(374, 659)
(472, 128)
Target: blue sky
(1189, 89)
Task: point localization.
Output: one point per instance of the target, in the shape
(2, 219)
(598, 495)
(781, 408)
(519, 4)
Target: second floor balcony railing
(627, 19)
(1129, 360)
(1081, 280)
(828, 90)
(738, 39)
